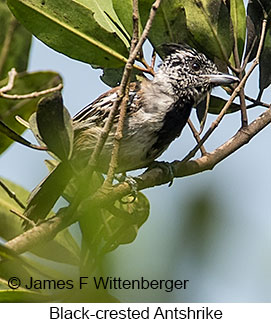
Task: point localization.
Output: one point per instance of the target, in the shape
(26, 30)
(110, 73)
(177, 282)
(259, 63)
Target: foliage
(99, 33)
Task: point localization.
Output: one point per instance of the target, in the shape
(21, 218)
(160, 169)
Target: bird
(157, 111)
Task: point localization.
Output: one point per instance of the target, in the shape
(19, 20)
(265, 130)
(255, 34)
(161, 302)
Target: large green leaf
(15, 42)
(255, 15)
(4, 129)
(209, 23)
(123, 221)
(24, 83)
(265, 59)
(124, 10)
(169, 24)
(105, 15)
(103, 230)
(55, 125)
(215, 106)
(112, 76)
(10, 224)
(78, 29)
(62, 249)
(202, 23)
(238, 18)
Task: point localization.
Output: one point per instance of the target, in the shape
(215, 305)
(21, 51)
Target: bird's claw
(166, 168)
(134, 187)
(132, 181)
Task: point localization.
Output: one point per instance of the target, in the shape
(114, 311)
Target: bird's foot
(133, 183)
(166, 168)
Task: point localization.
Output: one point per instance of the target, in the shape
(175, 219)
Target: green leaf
(74, 29)
(112, 76)
(15, 42)
(24, 83)
(14, 268)
(107, 18)
(124, 10)
(216, 105)
(169, 21)
(4, 129)
(10, 224)
(55, 125)
(104, 230)
(209, 23)
(266, 4)
(204, 24)
(265, 59)
(255, 16)
(15, 264)
(19, 296)
(123, 221)
(238, 18)
(62, 249)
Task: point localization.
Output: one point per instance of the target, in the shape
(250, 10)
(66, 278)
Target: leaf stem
(11, 194)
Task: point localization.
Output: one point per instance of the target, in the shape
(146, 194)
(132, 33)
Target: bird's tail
(45, 195)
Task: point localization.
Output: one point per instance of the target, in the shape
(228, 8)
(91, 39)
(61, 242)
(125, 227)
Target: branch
(123, 106)
(153, 177)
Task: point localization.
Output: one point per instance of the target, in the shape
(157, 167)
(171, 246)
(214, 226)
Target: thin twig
(256, 102)
(196, 136)
(149, 69)
(118, 136)
(232, 97)
(153, 59)
(203, 121)
(243, 108)
(25, 218)
(123, 107)
(245, 61)
(11, 78)
(12, 194)
(33, 94)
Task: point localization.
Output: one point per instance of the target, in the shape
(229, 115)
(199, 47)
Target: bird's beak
(222, 79)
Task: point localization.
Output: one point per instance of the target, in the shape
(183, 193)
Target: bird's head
(190, 73)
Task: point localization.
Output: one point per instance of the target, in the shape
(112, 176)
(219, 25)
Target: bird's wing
(98, 111)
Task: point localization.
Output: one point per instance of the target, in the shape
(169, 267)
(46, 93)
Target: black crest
(170, 48)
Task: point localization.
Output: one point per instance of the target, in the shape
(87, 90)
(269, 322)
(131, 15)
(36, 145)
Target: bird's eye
(196, 66)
